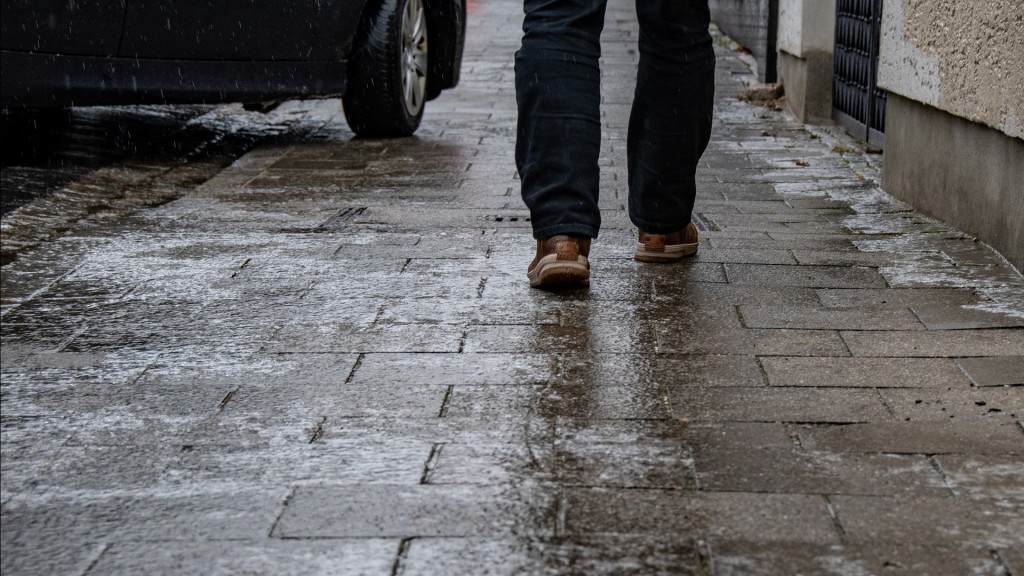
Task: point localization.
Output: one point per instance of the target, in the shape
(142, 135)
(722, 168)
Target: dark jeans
(558, 86)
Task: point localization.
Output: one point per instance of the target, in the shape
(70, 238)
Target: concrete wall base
(808, 85)
(749, 23)
(958, 171)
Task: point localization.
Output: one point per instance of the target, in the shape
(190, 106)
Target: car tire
(387, 74)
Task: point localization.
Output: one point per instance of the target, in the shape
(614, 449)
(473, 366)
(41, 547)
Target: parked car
(385, 58)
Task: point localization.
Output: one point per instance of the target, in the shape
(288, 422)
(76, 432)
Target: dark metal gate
(857, 103)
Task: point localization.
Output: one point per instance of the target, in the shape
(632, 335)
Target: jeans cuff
(571, 229)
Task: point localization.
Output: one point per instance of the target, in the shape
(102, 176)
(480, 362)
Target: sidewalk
(328, 360)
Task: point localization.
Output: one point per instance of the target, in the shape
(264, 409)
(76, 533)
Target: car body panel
(81, 27)
(238, 29)
(59, 53)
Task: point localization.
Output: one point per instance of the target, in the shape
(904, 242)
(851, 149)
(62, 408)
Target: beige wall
(806, 35)
(806, 26)
(965, 57)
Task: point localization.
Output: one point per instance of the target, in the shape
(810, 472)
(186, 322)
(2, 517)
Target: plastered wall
(965, 57)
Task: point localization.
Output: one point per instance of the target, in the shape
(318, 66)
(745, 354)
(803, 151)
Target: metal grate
(857, 102)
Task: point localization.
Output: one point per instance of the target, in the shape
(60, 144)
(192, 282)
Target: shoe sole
(551, 272)
(672, 253)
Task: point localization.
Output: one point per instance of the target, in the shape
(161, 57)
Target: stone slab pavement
(326, 360)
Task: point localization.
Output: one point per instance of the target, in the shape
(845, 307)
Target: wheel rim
(414, 56)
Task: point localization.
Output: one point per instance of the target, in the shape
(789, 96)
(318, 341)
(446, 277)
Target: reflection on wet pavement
(325, 354)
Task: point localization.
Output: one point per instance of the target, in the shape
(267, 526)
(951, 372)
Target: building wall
(806, 38)
(749, 23)
(954, 135)
(966, 58)
(958, 171)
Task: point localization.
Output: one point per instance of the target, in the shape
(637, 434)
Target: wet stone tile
(28, 555)
(483, 464)
(492, 311)
(958, 343)
(948, 317)
(597, 555)
(254, 556)
(977, 437)
(491, 402)
(205, 513)
(809, 276)
(1003, 403)
(994, 370)
(603, 338)
(924, 521)
(744, 341)
(645, 401)
(456, 369)
(994, 478)
(895, 297)
(829, 319)
(842, 258)
(835, 405)
(339, 460)
(745, 256)
(387, 511)
(637, 369)
(777, 470)
(736, 558)
(771, 517)
(340, 338)
(864, 372)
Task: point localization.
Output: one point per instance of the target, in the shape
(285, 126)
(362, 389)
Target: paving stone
(745, 256)
(841, 258)
(734, 558)
(483, 464)
(28, 555)
(266, 556)
(700, 296)
(864, 372)
(597, 555)
(461, 312)
(994, 371)
(766, 342)
(783, 241)
(776, 404)
(634, 370)
(326, 358)
(387, 511)
(163, 514)
(320, 338)
(946, 317)
(1012, 558)
(995, 478)
(581, 398)
(809, 276)
(923, 521)
(895, 297)
(334, 460)
(775, 470)
(455, 369)
(829, 319)
(603, 338)
(956, 403)
(959, 343)
(979, 437)
(771, 517)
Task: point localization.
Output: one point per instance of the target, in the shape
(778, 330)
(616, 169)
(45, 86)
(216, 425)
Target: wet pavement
(325, 358)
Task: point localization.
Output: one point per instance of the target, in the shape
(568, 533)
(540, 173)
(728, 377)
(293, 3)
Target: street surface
(324, 358)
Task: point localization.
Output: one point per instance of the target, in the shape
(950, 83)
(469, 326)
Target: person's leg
(670, 123)
(558, 139)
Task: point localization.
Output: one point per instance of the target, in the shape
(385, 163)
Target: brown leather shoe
(669, 247)
(561, 262)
